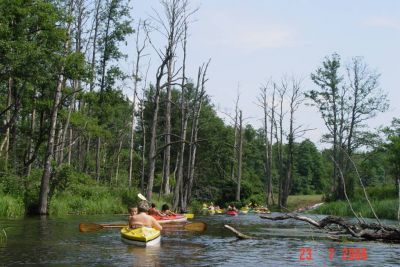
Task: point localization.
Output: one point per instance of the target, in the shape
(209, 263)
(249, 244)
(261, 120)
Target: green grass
(88, 199)
(295, 202)
(64, 205)
(11, 207)
(385, 209)
(3, 237)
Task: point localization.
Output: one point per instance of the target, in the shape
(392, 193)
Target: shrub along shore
(77, 193)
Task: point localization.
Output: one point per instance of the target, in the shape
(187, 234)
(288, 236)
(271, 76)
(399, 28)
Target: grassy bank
(295, 202)
(383, 199)
(384, 209)
(11, 207)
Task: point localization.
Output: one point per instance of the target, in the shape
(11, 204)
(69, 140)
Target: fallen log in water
(361, 230)
(237, 233)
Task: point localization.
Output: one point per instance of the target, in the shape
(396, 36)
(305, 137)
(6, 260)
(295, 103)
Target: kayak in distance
(232, 213)
(173, 218)
(141, 236)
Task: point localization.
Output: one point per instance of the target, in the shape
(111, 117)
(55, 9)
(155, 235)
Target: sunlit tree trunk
(240, 154)
(45, 182)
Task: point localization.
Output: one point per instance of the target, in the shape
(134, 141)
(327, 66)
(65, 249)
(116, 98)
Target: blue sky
(251, 41)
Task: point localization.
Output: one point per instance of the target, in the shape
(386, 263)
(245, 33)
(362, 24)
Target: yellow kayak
(189, 215)
(142, 236)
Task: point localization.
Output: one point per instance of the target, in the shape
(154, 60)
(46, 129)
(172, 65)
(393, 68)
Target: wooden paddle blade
(196, 226)
(92, 227)
(141, 197)
(89, 227)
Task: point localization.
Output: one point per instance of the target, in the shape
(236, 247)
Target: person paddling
(165, 209)
(142, 218)
(154, 212)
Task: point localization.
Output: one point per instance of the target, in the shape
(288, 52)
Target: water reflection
(145, 256)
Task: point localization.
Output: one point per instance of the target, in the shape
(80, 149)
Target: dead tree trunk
(184, 117)
(235, 129)
(153, 140)
(45, 182)
(361, 231)
(117, 167)
(240, 154)
(263, 103)
(194, 140)
(139, 50)
(279, 139)
(143, 165)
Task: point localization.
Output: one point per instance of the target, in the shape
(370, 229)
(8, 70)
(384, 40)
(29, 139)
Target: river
(57, 241)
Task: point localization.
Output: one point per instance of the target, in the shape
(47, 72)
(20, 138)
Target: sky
(252, 41)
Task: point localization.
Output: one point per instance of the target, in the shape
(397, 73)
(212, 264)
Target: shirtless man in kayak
(142, 219)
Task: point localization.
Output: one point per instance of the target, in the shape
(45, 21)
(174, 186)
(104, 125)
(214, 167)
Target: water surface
(57, 241)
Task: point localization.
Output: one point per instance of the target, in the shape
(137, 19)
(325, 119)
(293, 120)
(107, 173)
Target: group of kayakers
(142, 215)
(231, 209)
(216, 209)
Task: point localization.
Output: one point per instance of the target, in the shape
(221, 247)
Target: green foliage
(11, 207)
(3, 237)
(196, 206)
(310, 174)
(377, 192)
(129, 197)
(12, 185)
(76, 68)
(258, 199)
(386, 208)
(33, 37)
(66, 178)
(63, 205)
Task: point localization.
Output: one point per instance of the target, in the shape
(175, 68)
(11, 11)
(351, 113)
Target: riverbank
(296, 202)
(384, 200)
(384, 209)
(82, 200)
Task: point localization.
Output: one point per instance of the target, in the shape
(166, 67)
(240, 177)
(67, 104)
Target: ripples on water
(58, 242)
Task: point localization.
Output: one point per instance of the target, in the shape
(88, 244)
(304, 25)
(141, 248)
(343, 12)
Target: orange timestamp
(346, 254)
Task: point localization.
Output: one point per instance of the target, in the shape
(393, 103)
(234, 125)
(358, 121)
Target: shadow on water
(57, 241)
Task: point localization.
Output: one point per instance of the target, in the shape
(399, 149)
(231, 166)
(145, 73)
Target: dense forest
(80, 135)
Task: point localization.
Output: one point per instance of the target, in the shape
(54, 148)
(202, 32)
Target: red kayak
(232, 212)
(170, 218)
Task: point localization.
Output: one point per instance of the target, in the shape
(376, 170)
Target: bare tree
(184, 119)
(279, 137)
(136, 79)
(296, 98)
(185, 195)
(240, 155)
(264, 104)
(235, 136)
(172, 27)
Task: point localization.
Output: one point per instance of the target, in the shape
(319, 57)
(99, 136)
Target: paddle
(92, 227)
(142, 197)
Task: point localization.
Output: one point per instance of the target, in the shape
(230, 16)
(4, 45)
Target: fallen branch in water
(360, 230)
(237, 233)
